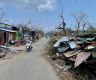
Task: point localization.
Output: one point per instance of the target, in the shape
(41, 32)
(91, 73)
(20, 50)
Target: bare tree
(90, 28)
(84, 25)
(63, 24)
(80, 19)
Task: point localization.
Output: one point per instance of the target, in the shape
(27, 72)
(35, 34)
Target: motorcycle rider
(29, 43)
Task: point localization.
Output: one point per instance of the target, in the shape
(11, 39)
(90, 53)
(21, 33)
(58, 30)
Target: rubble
(4, 51)
(63, 47)
(81, 57)
(72, 44)
(71, 53)
(66, 67)
(63, 44)
(65, 38)
(79, 50)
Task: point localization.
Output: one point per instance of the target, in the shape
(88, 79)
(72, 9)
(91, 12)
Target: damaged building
(7, 33)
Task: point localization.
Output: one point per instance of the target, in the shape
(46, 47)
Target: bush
(51, 49)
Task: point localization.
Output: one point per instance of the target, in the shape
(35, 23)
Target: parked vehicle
(29, 46)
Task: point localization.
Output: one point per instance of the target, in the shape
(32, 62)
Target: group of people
(29, 38)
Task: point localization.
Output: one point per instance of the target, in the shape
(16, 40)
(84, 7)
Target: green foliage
(21, 35)
(51, 49)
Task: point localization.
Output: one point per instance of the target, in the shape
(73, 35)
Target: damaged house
(7, 33)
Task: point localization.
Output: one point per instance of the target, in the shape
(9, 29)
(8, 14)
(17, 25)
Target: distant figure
(46, 36)
(30, 38)
(19, 41)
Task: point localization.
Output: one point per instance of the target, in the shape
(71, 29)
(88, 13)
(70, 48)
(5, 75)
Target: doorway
(4, 37)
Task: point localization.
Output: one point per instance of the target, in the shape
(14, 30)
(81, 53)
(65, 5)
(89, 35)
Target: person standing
(19, 41)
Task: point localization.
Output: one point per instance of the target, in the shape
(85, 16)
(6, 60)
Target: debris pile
(80, 50)
(5, 50)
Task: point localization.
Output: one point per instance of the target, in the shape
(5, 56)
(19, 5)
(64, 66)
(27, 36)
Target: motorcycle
(29, 46)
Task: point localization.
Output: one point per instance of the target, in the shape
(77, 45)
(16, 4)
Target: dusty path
(31, 66)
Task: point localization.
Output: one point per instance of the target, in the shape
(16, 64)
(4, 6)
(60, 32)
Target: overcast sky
(46, 13)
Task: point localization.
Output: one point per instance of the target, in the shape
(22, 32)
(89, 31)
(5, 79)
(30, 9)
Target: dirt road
(30, 66)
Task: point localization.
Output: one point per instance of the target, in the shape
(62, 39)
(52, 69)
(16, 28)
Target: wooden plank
(71, 53)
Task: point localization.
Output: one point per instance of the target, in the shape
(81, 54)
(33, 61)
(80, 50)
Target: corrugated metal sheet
(72, 45)
(81, 57)
(65, 38)
(7, 30)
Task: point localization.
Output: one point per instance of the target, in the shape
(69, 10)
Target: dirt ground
(29, 66)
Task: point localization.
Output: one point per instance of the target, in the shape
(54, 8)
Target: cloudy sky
(46, 13)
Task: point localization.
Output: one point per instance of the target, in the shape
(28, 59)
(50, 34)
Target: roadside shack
(6, 35)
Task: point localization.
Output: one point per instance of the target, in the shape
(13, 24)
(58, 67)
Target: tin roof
(7, 30)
